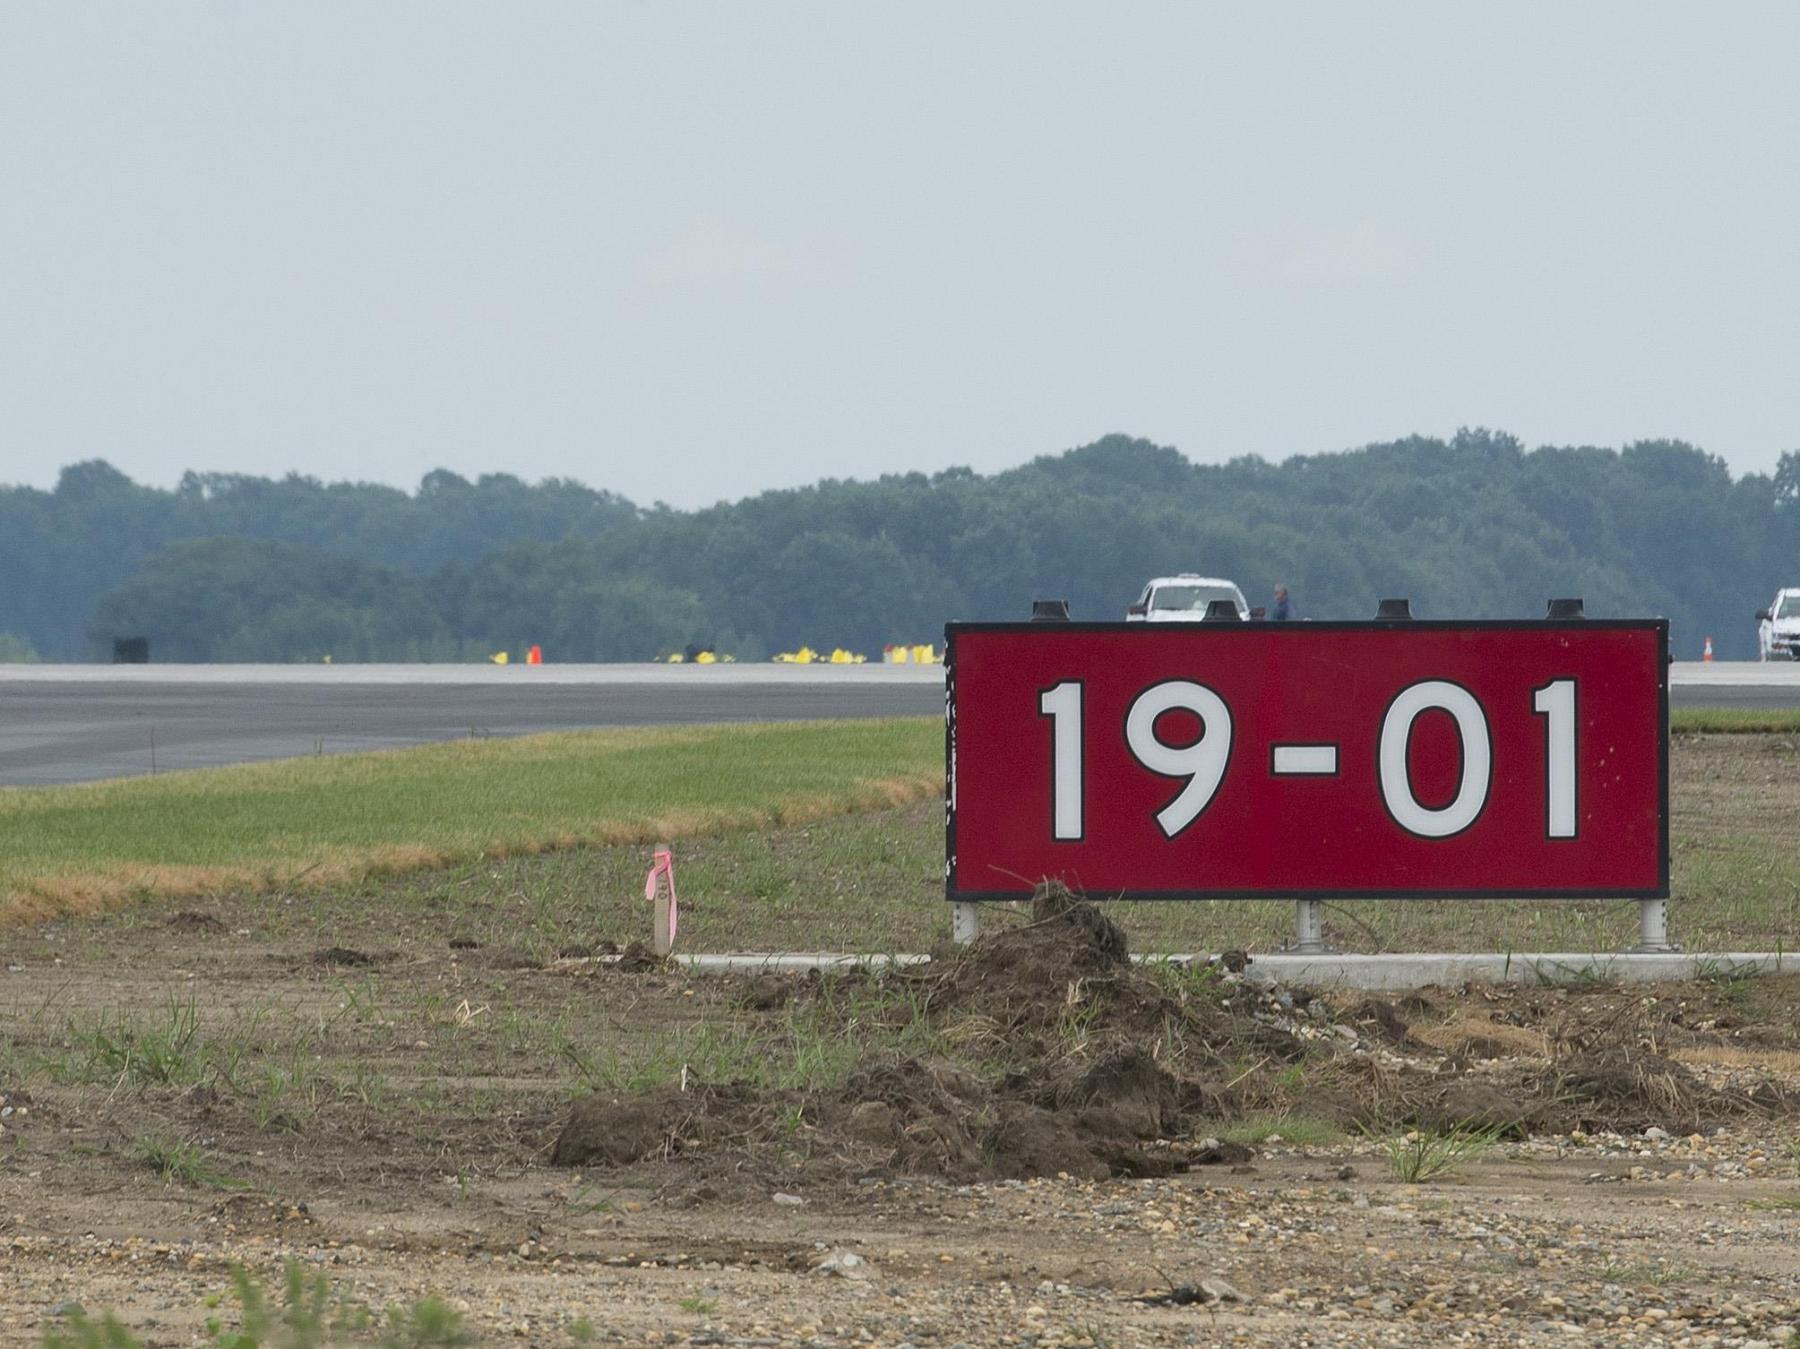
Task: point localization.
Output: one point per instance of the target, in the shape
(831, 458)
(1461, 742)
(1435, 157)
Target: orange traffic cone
(1707, 654)
(535, 656)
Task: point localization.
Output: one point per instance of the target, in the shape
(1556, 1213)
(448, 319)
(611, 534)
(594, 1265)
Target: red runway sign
(1307, 760)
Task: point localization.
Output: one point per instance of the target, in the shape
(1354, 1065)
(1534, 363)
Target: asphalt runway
(83, 722)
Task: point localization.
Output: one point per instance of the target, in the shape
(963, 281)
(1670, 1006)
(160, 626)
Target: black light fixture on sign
(1566, 608)
(1396, 608)
(1222, 611)
(1049, 611)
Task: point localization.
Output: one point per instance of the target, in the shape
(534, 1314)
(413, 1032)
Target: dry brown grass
(1464, 1026)
(1783, 1062)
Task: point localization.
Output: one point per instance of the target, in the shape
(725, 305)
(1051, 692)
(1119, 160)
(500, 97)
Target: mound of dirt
(349, 958)
(1470, 1104)
(1626, 1088)
(659, 1123)
(1056, 1054)
(615, 1131)
(1103, 1068)
(1029, 988)
(1012, 975)
(1383, 1018)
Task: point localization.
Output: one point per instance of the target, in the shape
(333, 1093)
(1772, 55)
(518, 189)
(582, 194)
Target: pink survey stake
(663, 865)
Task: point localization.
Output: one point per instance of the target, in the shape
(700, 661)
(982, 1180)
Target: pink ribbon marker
(662, 865)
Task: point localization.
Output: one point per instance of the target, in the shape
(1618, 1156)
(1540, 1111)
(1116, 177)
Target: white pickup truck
(1183, 599)
(1778, 627)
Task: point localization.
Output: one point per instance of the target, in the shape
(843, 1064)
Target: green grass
(473, 841)
(1297, 1130)
(311, 1313)
(811, 1046)
(166, 1051)
(1789, 1205)
(874, 883)
(1734, 720)
(335, 820)
(78, 1330)
(315, 1312)
(279, 1064)
(178, 1162)
(1644, 1273)
(1422, 1155)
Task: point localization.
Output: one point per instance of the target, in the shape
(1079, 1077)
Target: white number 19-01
(1203, 762)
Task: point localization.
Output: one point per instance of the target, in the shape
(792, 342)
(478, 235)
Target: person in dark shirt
(1282, 611)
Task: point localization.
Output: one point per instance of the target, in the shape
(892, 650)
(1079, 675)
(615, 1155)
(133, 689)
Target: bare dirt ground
(1028, 1144)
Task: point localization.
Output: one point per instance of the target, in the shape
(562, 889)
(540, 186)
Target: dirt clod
(619, 1130)
(638, 958)
(346, 956)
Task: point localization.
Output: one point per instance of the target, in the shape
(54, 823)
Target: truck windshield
(1789, 607)
(1190, 597)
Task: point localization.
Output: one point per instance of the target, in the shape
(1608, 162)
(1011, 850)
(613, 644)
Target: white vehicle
(1183, 599)
(1778, 627)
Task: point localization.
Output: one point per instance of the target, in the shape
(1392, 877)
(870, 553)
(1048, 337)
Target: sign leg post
(965, 923)
(1309, 927)
(1653, 927)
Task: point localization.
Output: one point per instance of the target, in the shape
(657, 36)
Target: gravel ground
(1615, 1240)
(182, 1094)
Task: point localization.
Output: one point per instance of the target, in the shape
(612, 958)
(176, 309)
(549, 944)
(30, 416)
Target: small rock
(788, 1200)
(844, 1264)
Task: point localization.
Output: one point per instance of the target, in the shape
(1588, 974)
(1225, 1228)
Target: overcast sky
(692, 251)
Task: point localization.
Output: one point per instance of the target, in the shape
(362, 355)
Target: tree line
(230, 567)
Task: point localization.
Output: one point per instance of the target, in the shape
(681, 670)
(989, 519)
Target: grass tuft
(79, 1331)
(1643, 1273)
(1302, 1131)
(1788, 1205)
(187, 1163)
(314, 1312)
(1422, 1155)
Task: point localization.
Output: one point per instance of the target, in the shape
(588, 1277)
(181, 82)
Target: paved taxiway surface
(80, 722)
(75, 723)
